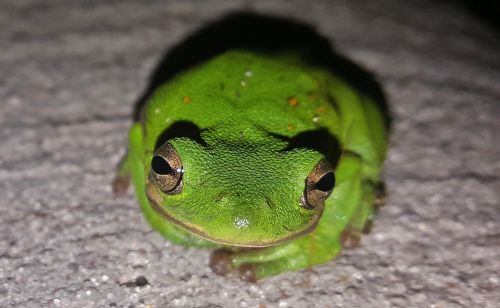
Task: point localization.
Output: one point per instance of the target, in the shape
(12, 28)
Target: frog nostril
(220, 197)
(269, 203)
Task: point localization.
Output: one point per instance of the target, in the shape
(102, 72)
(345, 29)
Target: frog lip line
(159, 210)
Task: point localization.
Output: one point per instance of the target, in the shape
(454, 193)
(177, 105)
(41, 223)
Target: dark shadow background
(265, 34)
(486, 11)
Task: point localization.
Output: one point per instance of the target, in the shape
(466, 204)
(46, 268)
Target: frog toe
(220, 261)
(367, 228)
(350, 239)
(247, 273)
(120, 185)
(379, 195)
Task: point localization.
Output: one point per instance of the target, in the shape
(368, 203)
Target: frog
(269, 160)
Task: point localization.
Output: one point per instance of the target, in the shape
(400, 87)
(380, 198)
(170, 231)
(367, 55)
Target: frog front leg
(256, 263)
(121, 181)
(346, 212)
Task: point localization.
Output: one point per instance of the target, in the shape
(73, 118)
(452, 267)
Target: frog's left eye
(166, 169)
(319, 185)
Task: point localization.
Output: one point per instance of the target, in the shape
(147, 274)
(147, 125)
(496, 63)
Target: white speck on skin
(104, 278)
(248, 73)
(56, 301)
(88, 293)
(241, 223)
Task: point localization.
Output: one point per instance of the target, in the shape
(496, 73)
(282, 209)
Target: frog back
(245, 93)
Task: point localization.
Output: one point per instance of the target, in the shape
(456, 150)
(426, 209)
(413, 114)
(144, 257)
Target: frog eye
(319, 185)
(166, 169)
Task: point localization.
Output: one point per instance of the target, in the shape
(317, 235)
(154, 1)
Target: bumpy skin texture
(243, 181)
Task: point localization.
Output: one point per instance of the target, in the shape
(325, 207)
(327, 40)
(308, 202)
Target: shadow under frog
(261, 33)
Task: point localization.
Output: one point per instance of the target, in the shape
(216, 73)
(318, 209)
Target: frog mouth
(154, 199)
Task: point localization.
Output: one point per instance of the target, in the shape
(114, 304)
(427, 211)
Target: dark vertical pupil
(326, 183)
(160, 166)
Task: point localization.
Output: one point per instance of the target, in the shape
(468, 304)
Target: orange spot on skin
(293, 101)
(290, 127)
(186, 100)
(321, 109)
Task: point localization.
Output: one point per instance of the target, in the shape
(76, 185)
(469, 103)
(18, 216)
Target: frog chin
(154, 199)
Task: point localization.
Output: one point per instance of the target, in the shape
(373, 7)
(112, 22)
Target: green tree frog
(272, 161)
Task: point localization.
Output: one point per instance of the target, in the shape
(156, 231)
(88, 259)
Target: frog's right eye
(166, 169)
(319, 185)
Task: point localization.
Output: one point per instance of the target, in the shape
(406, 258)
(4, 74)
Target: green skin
(242, 186)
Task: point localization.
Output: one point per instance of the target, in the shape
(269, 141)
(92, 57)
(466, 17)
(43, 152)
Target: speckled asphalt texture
(71, 72)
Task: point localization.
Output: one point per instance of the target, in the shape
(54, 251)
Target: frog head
(239, 188)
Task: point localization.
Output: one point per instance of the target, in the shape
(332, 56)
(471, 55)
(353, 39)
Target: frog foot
(221, 263)
(121, 182)
(255, 263)
(247, 273)
(379, 195)
(120, 185)
(350, 239)
(367, 228)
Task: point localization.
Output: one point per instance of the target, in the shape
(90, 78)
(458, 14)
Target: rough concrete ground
(71, 71)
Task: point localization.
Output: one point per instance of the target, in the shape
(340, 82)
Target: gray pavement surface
(71, 71)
